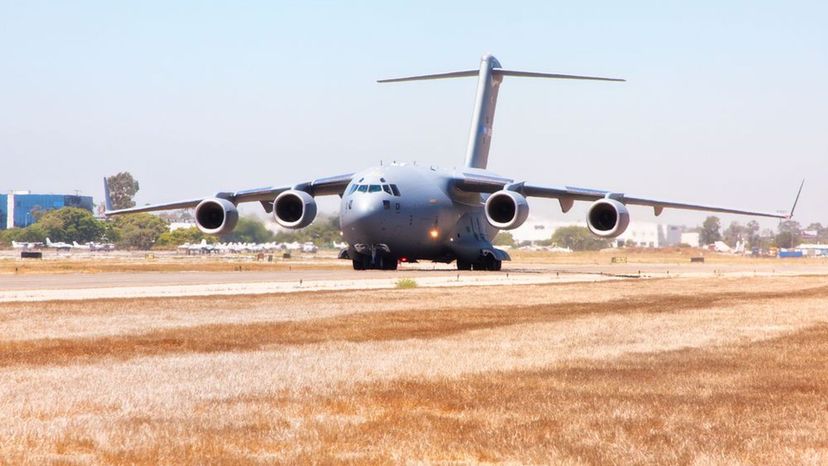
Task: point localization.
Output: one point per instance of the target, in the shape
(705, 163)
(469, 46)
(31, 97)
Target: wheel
(359, 264)
(388, 263)
(463, 265)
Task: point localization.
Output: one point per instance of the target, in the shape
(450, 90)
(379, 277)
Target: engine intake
(294, 209)
(506, 210)
(216, 216)
(608, 218)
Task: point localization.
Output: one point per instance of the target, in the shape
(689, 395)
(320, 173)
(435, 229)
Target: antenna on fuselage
(490, 75)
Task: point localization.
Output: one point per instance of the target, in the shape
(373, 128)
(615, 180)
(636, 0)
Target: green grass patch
(406, 283)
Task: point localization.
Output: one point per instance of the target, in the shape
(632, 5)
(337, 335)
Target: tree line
(145, 231)
(788, 234)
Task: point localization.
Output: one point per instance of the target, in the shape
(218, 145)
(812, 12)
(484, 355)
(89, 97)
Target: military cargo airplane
(408, 212)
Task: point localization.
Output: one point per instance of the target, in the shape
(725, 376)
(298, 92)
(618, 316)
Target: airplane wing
(567, 195)
(318, 187)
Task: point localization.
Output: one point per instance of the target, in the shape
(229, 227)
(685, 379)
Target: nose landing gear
(379, 263)
(377, 257)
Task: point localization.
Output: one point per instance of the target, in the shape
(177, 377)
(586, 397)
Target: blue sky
(725, 101)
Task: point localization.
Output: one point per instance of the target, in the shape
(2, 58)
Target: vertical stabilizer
(480, 134)
(489, 77)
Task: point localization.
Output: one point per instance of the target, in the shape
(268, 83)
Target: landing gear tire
(388, 263)
(358, 264)
(463, 265)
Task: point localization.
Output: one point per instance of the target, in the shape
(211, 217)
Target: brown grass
(356, 327)
(760, 403)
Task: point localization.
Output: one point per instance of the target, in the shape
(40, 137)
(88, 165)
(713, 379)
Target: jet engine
(506, 210)
(608, 218)
(294, 209)
(216, 216)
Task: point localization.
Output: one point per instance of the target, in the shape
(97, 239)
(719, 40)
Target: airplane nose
(367, 216)
(367, 207)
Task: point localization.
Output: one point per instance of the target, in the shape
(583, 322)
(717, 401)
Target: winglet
(107, 198)
(790, 215)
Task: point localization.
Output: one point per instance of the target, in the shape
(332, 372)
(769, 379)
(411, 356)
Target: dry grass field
(687, 370)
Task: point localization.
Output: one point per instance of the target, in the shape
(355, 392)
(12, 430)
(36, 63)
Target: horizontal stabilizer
(451, 74)
(496, 72)
(532, 74)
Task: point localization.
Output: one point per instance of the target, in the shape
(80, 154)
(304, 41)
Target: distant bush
(175, 238)
(406, 283)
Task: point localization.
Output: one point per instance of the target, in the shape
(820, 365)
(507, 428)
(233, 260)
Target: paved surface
(74, 286)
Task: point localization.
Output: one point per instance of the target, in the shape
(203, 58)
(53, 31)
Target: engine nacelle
(294, 209)
(608, 218)
(216, 216)
(506, 210)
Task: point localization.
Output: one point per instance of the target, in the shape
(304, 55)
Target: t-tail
(490, 75)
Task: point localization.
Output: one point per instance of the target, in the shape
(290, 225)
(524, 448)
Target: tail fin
(107, 197)
(796, 201)
(490, 75)
(48, 241)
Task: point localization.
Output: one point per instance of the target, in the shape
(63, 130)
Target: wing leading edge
(319, 187)
(568, 194)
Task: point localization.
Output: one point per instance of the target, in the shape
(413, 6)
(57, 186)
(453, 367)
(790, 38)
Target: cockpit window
(387, 189)
(395, 190)
(362, 188)
(374, 188)
(353, 188)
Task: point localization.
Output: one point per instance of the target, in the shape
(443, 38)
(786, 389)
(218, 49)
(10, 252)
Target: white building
(690, 239)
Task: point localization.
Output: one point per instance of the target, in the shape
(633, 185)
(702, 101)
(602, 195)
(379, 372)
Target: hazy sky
(725, 101)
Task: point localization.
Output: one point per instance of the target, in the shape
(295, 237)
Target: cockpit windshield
(375, 188)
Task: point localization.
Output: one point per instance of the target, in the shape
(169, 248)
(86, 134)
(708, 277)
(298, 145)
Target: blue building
(19, 209)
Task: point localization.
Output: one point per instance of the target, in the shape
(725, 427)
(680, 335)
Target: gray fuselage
(411, 212)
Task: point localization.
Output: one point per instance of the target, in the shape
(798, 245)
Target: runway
(109, 285)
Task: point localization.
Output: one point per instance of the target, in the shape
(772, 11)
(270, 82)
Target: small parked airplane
(60, 245)
(26, 245)
(407, 212)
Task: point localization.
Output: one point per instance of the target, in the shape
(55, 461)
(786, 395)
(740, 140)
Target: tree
(171, 239)
(734, 233)
(139, 231)
(817, 232)
(752, 234)
(122, 188)
(322, 232)
(578, 239)
(789, 235)
(69, 224)
(249, 230)
(504, 238)
(710, 231)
